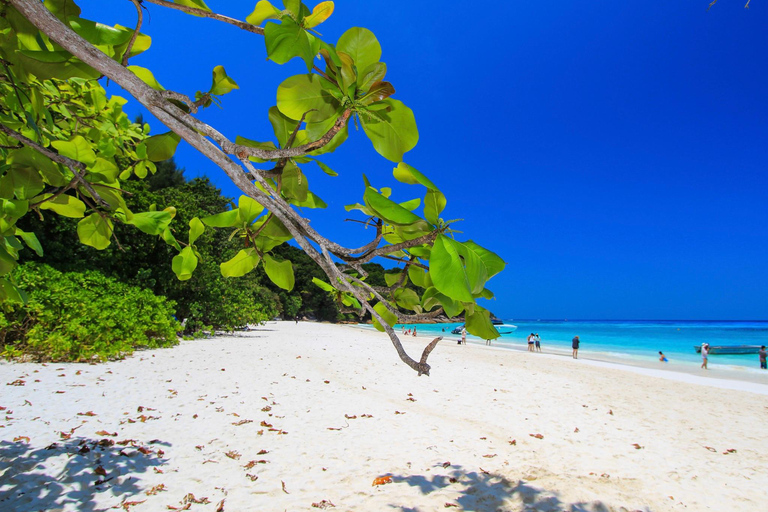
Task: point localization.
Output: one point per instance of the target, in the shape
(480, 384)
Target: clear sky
(612, 153)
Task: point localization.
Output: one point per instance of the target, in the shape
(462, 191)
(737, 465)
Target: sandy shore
(299, 417)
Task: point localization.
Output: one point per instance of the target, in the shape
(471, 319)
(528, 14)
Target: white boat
(498, 324)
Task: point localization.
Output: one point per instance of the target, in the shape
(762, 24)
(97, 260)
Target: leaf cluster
(79, 316)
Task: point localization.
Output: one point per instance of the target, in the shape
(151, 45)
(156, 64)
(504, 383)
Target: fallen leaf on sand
(263, 452)
(17, 382)
(366, 415)
(156, 489)
(610, 412)
(513, 442)
(190, 498)
(446, 464)
(484, 471)
(730, 450)
(327, 381)
(242, 422)
(324, 504)
(105, 433)
(411, 399)
(185, 507)
(159, 471)
(576, 430)
(266, 409)
(398, 412)
(127, 504)
(284, 490)
(449, 505)
(89, 413)
(489, 456)
(20, 438)
(233, 455)
(252, 478)
(637, 446)
(100, 471)
(382, 480)
(61, 393)
(537, 436)
(333, 428)
(350, 417)
(452, 480)
(265, 424)
(220, 506)
(710, 448)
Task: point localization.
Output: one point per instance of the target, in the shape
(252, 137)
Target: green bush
(75, 316)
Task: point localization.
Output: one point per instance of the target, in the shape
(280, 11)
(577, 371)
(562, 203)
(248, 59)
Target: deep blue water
(638, 340)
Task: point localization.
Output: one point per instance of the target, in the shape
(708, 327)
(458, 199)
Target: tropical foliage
(57, 163)
(79, 316)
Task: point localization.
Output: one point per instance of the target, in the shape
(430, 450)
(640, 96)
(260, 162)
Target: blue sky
(612, 153)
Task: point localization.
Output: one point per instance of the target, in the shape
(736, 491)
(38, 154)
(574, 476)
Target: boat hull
(730, 349)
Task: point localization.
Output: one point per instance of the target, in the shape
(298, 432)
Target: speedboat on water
(498, 324)
(730, 349)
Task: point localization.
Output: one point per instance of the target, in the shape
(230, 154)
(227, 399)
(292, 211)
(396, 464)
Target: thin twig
(208, 14)
(139, 22)
(73, 165)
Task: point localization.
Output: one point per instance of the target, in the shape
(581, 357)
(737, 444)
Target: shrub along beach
(300, 416)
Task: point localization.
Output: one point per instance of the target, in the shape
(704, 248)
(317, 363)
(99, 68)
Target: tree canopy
(69, 150)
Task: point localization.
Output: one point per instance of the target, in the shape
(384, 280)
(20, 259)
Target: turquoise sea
(629, 341)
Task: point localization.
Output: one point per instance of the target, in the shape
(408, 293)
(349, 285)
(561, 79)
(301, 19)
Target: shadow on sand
(489, 492)
(79, 473)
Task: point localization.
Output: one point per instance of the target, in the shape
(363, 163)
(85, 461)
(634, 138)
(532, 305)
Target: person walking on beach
(704, 355)
(537, 339)
(463, 336)
(575, 344)
(762, 354)
(662, 357)
(530, 339)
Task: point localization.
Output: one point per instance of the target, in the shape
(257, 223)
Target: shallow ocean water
(630, 340)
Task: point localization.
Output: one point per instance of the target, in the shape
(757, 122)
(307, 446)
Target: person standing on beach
(530, 342)
(463, 336)
(575, 344)
(762, 354)
(537, 339)
(704, 355)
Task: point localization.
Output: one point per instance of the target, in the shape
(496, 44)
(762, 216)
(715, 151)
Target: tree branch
(139, 22)
(208, 14)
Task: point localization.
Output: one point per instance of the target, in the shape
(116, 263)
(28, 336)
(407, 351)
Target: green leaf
(300, 94)
(287, 40)
(294, 182)
(9, 292)
(196, 228)
(248, 209)
(76, 148)
(151, 223)
(407, 298)
(226, 219)
(64, 205)
(95, 231)
(320, 13)
(162, 147)
(448, 272)
(146, 76)
(197, 4)
(243, 262)
(434, 203)
(28, 157)
(170, 239)
(360, 44)
(327, 170)
(263, 11)
(479, 323)
(392, 130)
(184, 264)
(386, 314)
(491, 261)
(419, 277)
(279, 272)
(387, 209)
(31, 240)
(282, 125)
(323, 285)
(433, 298)
(312, 201)
(23, 182)
(372, 74)
(222, 84)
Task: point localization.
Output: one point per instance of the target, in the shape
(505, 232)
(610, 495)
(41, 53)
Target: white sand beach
(305, 417)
